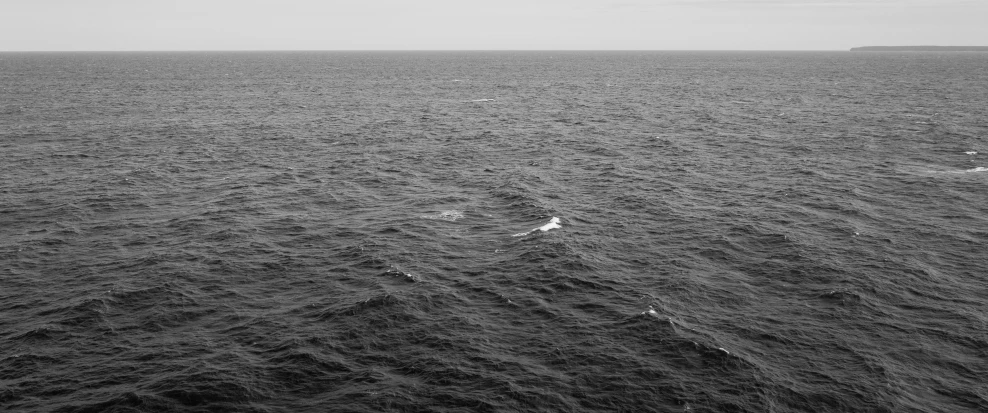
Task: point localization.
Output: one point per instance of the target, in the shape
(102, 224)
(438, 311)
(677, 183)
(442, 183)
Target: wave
(553, 224)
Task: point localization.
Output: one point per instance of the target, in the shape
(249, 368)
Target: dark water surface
(279, 232)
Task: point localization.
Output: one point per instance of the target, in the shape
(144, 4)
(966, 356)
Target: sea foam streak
(553, 223)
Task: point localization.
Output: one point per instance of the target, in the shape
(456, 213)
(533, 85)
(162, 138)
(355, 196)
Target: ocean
(494, 232)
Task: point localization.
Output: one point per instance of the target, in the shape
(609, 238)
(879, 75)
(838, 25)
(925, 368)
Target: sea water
(494, 231)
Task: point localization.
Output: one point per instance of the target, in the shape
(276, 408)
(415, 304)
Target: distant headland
(920, 49)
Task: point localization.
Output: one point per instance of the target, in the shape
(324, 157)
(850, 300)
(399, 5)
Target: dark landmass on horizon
(920, 49)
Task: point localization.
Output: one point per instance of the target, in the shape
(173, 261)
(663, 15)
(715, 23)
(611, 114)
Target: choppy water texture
(275, 232)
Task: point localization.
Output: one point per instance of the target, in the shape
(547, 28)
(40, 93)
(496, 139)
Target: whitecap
(484, 100)
(971, 153)
(450, 215)
(978, 169)
(553, 224)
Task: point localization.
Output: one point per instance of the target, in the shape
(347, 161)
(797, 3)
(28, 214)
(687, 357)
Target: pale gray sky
(487, 24)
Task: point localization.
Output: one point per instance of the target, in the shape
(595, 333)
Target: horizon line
(424, 50)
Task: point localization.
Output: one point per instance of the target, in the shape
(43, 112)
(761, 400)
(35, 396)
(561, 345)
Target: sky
(90, 25)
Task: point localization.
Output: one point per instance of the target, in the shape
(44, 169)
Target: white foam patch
(451, 215)
(954, 171)
(553, 224)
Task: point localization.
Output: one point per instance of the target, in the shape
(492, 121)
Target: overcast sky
(487, 24)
